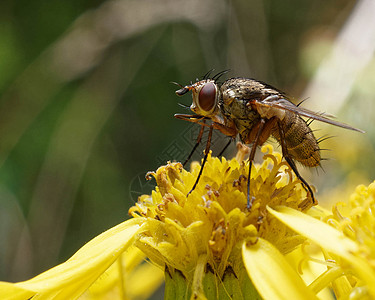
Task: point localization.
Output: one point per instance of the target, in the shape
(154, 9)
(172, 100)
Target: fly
(254, 111)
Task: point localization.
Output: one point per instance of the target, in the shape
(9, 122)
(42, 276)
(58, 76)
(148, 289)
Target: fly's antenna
(176, 83)
(218, 75)
(183, 89)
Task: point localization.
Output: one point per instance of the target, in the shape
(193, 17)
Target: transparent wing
(273, 102)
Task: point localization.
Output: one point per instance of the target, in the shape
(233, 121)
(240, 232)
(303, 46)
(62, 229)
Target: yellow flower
(211, 230)
(208, 244)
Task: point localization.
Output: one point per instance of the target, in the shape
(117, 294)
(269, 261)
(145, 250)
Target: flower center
(213, 220)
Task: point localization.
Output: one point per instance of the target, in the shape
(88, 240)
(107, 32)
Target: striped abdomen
(301, 143)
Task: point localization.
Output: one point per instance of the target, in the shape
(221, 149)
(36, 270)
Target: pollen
(213, 220)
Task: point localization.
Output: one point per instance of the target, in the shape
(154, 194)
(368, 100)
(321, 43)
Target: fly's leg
(291, 163)
(305, 185)
(251, 159)
(227, 129)
(225, 148)
(206, 151)
(196, 144)
(199, 139)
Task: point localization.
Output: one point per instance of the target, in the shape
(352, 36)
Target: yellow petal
(328, 238)
(125, 279)
(144, 281)
(10, 291)
(324, 235)
(271, 274)
(70, 279)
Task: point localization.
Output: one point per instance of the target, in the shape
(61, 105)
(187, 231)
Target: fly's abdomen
(301, 143)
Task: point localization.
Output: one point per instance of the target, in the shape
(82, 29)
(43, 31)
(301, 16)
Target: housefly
(254, 111)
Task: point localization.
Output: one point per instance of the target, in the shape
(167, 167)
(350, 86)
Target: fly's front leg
(196, 144)
(192, 118)
(291, 163)
(228, 128)
(206, 151)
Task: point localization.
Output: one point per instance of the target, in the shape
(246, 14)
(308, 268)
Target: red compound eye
(207, 96)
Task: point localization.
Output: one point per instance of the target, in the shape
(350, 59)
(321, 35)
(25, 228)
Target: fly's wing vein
(288, 106)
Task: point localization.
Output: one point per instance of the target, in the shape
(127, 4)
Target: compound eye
(207, 96)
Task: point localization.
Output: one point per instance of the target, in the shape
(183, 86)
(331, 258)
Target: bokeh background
(86, 103)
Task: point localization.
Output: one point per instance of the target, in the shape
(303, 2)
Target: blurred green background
(87, 106)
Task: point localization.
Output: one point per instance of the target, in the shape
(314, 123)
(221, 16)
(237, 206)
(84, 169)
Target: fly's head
(205, 97)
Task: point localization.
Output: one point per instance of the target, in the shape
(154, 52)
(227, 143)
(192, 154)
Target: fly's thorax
(237, 108)
(238, 93)
(247, 89)
(241, 114)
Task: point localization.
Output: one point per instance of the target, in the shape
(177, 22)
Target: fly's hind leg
(305, 185)
(291, 163)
